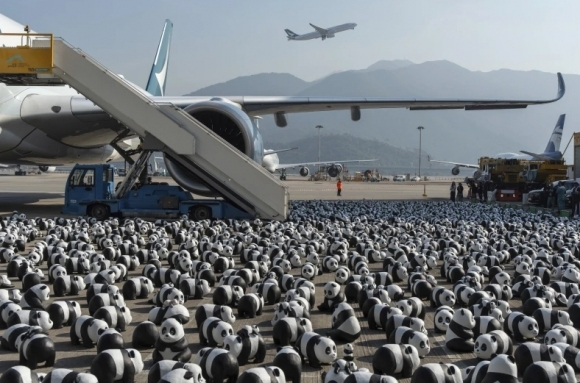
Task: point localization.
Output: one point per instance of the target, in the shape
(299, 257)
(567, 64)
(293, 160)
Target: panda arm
(179, 345)
(261, 352)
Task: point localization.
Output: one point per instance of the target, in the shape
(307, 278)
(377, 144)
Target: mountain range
(453, 135)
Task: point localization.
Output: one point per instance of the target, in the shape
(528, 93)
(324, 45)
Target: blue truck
(90, 191)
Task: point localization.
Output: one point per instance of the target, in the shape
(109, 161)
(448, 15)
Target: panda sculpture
(269, 291)
(117, 365)
(68, 285)
(345, 324)
(7, 308)
(496, 342)
(564, 334)
(379, 315)
(137, 288)
(168, 292)
(412, 307)
(103, 300)
(441, 296)
(116, 317)
(437, 373)
(217, 364)
(405, 335)
(205, 311)
(442, 318)
(287, 330)
(270, 374)
(399, 360)
(475, 374)
(227, 295)
(13, 295)
(485, 324)
(250, 305)
(213, 331)
(332, 296)
(23, 374)
(529, 352)
(162, 368)
(35, 347)
(11, 335)
(315, 349)
(145, 335)
(288, 360)
(571, 355)
(35, 296)
(548, 372)
(396, 321)
(246, 345)
(110, 339)
(547, 318)
(87, 329)
(31, 318)
(459, 334)
(535, 303)
(521, 327)
(171, 343)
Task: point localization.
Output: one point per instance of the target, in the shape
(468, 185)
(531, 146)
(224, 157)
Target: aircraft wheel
(200, 213)
(100, 212)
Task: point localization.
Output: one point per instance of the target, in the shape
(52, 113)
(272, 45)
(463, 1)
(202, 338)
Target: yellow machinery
(31, 54)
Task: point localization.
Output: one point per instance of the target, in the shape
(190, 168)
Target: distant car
(122, 172)
(536, 197)
(399, 178)
(416, 179)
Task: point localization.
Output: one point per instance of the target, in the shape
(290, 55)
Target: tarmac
(42, 195)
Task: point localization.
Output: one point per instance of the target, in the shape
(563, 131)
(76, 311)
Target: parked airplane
(54, 125)
(552, 151)
(323, 33)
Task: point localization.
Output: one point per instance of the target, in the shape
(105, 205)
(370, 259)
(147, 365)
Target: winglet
(157, 77)
(561, 87)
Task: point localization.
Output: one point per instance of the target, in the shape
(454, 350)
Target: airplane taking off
(323, 33)
(51, 125)
(552, 151)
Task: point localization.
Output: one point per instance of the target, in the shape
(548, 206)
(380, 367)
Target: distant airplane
(272, 164)
(320, 32)
(552, 151)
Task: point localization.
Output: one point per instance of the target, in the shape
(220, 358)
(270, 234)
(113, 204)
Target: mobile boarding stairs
(161, 126)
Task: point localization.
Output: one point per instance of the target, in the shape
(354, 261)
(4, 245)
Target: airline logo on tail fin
(556, 137)
(158, 75)
(290, 33)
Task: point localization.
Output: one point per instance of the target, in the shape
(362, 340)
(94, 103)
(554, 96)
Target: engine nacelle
(304, 172)
(231, 123)
(47, 169)
(333, 171)
(455, 170)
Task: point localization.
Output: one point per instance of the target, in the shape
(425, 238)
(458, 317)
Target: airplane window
(76, 177)
(89, 178)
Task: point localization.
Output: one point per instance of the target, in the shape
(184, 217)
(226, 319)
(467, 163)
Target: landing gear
(283, 175)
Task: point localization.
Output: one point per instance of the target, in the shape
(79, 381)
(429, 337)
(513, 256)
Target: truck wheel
(100, 212)
(200, 213)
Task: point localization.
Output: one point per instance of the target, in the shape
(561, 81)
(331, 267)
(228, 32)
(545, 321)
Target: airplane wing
(537, 156)
(269, 151)
(456, 164)
(302, 164)
(322, 31)
(260, 105)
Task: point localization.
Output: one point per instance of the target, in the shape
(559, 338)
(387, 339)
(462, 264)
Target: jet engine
(47, 169)
(231, 123)
(334, 170)
(304, 171)
(455, 170)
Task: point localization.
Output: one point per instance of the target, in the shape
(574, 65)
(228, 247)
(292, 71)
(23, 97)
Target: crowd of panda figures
(394, 266)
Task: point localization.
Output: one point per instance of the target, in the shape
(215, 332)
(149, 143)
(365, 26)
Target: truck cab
(87, 183)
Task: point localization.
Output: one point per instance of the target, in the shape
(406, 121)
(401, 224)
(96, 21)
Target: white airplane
(54, 125)
(323, 33)
(552, 152)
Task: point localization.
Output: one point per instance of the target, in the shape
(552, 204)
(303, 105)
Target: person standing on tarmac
(338, 187)
(460, 192)
(561, 197)
(452, 190)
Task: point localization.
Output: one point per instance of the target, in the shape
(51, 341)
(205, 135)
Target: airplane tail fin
(157, 77)
(556, 137)
(290, 34)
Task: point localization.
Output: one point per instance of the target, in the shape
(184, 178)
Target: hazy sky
(217, 40)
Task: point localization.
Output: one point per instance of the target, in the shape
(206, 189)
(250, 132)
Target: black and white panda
(571, 355)
(365, 376)
(529, 352)
(56, 271)
(287, 330)
(405, 335)
(246, 345)
(309, 271)
(301, 292)
(233, 280)
(63, 375)
(270, 374)
(36, 347)
(536, 303)
(13, 295)
(459, 334)
(7, 308)
(213, 332)
(23, 374)
(564, 334)
(332, 296)
(379, 315)
(475, 374)
(63, 313)
(110, 339)
(345, 324)
(171, 343)
(217, 364)
(145, 335)
(496, 342)
(441, 296)
(437, 373)
(289, 361)
(442, 318)
(503, 292)
(396, 360)
(137, 288)
(117, 365)
(549, 372)
(421, 289)
(463, 293)
(35, 296)
(194, 288)
(99, 288)
(547, 318)
(315, 349)
(103, 300)
(68, 285)
(160, 370)
(412, 307)
(205, 311)
(250, 305)
(10, 336)
(269, 291)
(170, 309)
(503, 369)
(168, 292)
(521, 327)
(396, 321)
(352, 290)
(341, 275)
(86, 329)
(227, 295)
(485, 324)
(115, 316)
(31, 318)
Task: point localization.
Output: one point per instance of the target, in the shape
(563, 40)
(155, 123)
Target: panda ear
(408, 350)
(276, 372)
(451, 370)
(131, 353)
(493, 338)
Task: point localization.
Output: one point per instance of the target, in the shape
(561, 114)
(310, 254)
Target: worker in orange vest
(338, 187)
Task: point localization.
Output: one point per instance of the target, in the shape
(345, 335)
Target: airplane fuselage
(519, 156)
(329, 34)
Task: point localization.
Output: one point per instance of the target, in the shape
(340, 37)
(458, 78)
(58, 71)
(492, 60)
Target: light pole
(420, 128)
(319, 127)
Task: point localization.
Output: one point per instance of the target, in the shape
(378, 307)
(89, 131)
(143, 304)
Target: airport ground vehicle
(90, 190)
(537, 197)
(399, 178)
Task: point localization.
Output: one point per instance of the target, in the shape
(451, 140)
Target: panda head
(395, 292)
(136, 359)
(96, 328)
(308, 271)
(383, 295)
(341, 275)
(221, 331)
(421, 342)
(331, 290)
(412, 353)
(43, 320)
(285, 265)
(555, 335)
(295, 260)
(325, 350)
(564, 318)
(203, 285)
(85, 377)
(233, 344)
(503, 364)
(171, 331)
(177, 295)
(447, 298)
(443, 318)
(331, 264)
(339, 371)
(527, 326)
(466, 294)
(464, 318)
(41, 291)
(126, 314)
(277, 373)
(486, 346)
(15, 295)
